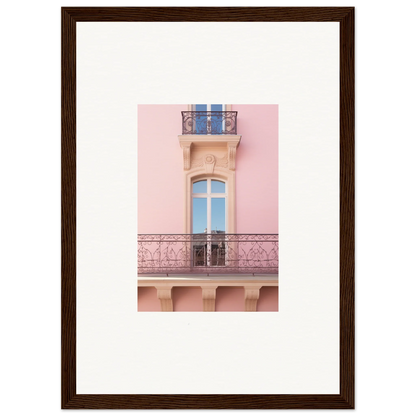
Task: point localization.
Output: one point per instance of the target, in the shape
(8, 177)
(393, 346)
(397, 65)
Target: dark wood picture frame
(71, 400)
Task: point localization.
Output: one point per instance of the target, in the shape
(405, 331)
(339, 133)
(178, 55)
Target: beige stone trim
(209, 156)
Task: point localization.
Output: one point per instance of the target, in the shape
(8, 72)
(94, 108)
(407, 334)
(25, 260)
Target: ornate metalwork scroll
(209, 122)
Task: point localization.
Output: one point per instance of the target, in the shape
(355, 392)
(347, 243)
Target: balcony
(209, 122)
(207, 254)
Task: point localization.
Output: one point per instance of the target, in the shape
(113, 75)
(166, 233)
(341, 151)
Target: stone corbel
(164, 294)
(208, 298)
(232, 151)
(186, 147)
(251, 296)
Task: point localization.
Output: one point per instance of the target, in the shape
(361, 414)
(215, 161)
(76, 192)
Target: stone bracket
(164, 294)
(208, 298)
(251, 296)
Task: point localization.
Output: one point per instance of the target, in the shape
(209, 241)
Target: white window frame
(221, 174)
(209, 195)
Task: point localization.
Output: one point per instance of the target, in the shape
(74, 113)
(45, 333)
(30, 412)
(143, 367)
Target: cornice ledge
(206, 140)
(207, 282)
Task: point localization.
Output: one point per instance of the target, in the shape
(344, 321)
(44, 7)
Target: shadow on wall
(189, 299)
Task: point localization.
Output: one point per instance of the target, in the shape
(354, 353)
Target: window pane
(218, 214)
(216, 119)
(199, 187)
(199, 215)
(201, 119)
(217, 187)
(216, 107)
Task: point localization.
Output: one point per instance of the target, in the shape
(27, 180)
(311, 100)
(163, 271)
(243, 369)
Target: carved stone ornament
(209, 163)
(222, 162)
(209, 159)
(197, 162)
(204, 143)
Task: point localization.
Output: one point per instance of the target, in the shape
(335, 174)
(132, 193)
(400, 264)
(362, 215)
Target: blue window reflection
(199, 187)
(217, 187)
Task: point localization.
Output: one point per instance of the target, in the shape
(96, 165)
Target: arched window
(209, 222)
(209, 200)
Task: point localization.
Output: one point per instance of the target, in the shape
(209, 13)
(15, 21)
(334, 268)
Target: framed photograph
(215, 246)
(171, 203)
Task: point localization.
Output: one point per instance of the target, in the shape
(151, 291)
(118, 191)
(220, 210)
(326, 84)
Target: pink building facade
(207, 208)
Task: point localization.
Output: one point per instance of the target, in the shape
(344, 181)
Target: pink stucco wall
(160, 170)
(161, 189)
(257, 169)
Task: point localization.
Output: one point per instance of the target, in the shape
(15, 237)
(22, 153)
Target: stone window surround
(209, 169)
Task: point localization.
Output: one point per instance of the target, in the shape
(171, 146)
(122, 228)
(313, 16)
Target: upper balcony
(209, 122)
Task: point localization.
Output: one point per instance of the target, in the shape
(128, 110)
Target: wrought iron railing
(207, 253)
(209, 122)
